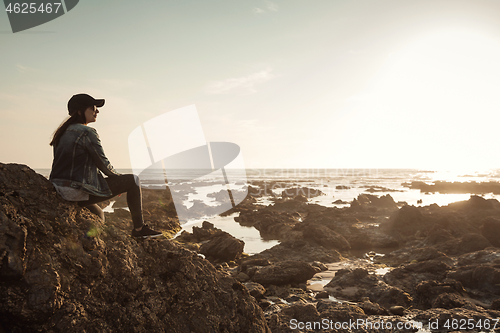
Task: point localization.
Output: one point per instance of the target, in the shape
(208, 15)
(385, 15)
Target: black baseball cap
(82, 102)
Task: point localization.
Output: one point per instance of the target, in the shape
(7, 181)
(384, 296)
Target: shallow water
(319, 280)
(251, 236)
(355, 182)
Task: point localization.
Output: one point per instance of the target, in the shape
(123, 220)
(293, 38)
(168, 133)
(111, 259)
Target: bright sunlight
(435, 101)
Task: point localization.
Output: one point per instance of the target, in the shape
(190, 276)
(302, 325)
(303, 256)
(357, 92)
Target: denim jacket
(77, 158)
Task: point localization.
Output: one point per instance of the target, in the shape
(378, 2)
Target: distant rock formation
(455, 187)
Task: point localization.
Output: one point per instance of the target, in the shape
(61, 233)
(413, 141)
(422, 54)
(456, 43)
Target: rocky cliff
(64, 270)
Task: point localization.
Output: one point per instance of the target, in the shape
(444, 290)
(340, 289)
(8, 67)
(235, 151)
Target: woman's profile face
(91, 114)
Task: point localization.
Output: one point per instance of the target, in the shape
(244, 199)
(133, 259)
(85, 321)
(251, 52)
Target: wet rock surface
(300, 250)
(375, 260)
(64, 270)
(217, 245)
(441, 262)
(285, 272)
(438, 262)
(358, 284)
(491, 230)
(223, 248)
(323, 236)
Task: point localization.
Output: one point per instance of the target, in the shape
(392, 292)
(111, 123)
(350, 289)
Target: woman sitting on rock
(78, 155)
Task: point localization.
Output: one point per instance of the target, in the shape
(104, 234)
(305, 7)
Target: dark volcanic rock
(455, 229)
(224, 247)
(320, 265)
(449, 301)
(466, 244)
(373, 202)
(488, 256)
(408, 276)
(482, 277)
(495, 305)
(301, 191)
(251, 262)
(159, 210)
(428, 291)
(491, 230)
(375, 188)
(358, 284)
(306, 313)
(455, 187)
(323, 236)
(206, 232)
(12, 248)
(300, 250)
(340, 312)
(475, 202)
(405, 256)
(285, 272)
(372, 308)
(407, 221)
(63, 270)
(255, 289)
(340, 202)
(438, 236)
(217, 245)
(300, 198)
(271, 224)
(368, 238)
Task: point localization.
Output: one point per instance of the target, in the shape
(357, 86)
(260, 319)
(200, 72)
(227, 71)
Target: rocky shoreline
(384, 265)
(64, 270)
(441, 266)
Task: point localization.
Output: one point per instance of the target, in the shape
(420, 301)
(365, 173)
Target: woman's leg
(121, 184)
(130, 184)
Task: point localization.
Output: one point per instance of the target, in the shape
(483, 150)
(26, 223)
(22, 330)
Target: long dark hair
(77, 117)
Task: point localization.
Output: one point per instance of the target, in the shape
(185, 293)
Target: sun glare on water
(434, 104)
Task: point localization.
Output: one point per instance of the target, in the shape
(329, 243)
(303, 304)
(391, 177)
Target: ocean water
(345, 184)
(354, 181)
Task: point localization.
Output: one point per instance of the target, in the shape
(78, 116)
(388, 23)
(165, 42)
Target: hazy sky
(367, 84)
